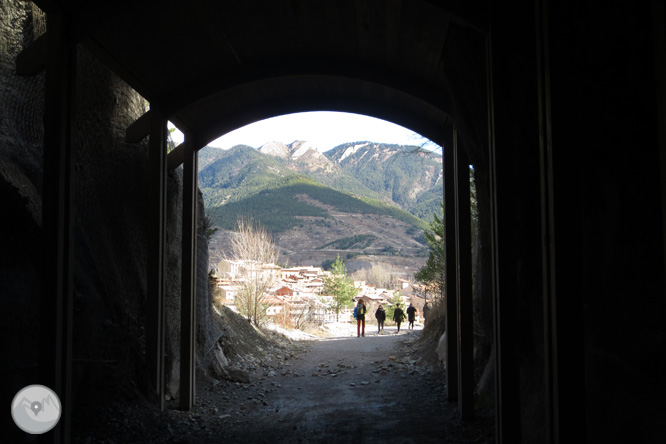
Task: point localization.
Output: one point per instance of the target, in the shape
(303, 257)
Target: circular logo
(36, 409)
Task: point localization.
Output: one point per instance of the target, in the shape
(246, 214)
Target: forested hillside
(283, 202)
(409, 176)
(353, 200)
(238, 173)
(404, 176)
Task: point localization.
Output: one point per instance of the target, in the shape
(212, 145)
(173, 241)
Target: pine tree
(433, 273)
(340, 287)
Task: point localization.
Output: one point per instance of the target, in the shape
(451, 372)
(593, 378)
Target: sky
(323, 129)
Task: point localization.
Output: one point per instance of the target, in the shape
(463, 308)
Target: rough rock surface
(109, 229)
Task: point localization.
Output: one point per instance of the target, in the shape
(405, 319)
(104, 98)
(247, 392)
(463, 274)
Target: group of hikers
(398, 316)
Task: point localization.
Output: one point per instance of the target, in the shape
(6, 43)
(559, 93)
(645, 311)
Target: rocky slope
(409, 176)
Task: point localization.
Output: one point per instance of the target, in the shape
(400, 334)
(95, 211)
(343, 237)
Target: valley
(368, 203)
(306, 243)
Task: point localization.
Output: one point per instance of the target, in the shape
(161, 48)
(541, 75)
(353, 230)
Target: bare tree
(379, 275)
(253, 250)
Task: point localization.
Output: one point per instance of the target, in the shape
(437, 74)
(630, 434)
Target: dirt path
(365, 390)
(374, 389)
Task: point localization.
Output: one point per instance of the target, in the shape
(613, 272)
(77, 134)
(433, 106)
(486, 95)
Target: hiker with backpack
(380, 315)
(398, 316)
(359, 314)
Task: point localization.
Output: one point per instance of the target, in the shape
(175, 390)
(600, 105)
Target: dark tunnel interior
(559, 108)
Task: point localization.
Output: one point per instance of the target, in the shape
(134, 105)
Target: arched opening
(299, 159)
(301, 88)
(285, 146)
(469, 254)
(536, 107)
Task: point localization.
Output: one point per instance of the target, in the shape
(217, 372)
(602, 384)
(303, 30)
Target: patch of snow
(304, 148)
(351, 150)
(338, 329)
(274, 148)
(296, 335)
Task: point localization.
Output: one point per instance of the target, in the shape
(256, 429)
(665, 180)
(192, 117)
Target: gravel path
(374, 389)
(344, 390)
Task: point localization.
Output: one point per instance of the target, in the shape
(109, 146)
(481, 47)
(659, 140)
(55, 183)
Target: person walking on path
(426, 309)
(398, 316)
(411, 315)
(359, 312)
(380, 314)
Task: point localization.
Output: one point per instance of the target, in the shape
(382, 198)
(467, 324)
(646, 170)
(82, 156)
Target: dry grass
(433, 329)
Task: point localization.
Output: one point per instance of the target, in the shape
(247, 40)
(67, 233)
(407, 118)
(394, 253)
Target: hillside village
(296, 297)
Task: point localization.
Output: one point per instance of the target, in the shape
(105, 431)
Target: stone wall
(21, 98)
(110, 245)
(21, 107)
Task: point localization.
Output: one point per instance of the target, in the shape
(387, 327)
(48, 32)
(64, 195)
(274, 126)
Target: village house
(235, 270)
(315, 286)
(228, 292)
(284, 291)
(371, 299)
(306, 272)
(297, 292)
(402, 283)
(228, 269)
(276, 305)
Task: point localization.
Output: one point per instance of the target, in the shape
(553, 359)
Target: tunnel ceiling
(216, 65)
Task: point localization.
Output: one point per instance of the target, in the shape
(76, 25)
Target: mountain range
(358, 199)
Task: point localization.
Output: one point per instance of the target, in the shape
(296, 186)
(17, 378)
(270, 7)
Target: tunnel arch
(521, 55)
(426, 112)
(211, 91)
